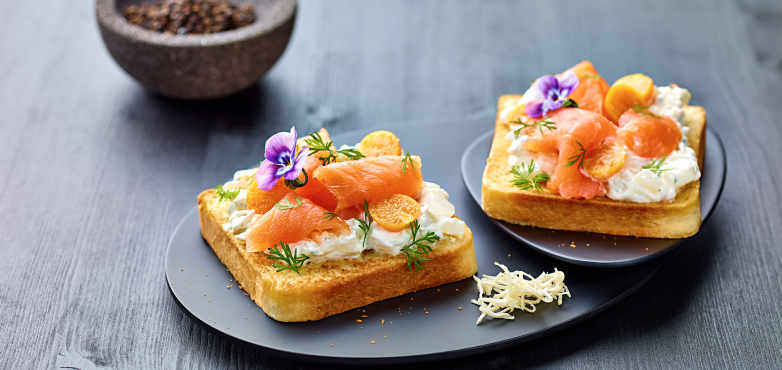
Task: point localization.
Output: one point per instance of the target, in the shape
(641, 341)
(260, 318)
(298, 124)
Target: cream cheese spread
(239, 217)
(633, 182)
(436, 215)
(517, 155)
(670, 101)
(636, 184)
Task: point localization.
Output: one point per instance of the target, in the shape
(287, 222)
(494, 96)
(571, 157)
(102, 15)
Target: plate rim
(504, 226)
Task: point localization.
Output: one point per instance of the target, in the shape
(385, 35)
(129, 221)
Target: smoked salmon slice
(261, 201)
(647, 134)
(369, 178)
(314, 190)
(574, 126)
(351, 212)
(592, 88)
(291, 225)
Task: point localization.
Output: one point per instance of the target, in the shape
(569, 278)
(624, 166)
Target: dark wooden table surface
(95, 172)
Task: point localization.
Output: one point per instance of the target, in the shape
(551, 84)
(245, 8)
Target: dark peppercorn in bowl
(187, 17)
(211, 54)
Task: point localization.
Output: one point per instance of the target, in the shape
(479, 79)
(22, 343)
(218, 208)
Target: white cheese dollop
(239, 217)
(328, 245)
(436, 216)
(670, 101)
(636, 184)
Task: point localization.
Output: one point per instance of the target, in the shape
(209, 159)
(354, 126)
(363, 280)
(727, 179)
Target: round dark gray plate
(592, 249)
(415, 335)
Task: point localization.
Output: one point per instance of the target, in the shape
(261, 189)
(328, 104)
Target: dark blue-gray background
(95, 172)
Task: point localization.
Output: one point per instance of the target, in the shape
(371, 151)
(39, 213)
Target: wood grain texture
(95, 173)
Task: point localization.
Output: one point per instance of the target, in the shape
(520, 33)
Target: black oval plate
(592, 249)
(431, 326)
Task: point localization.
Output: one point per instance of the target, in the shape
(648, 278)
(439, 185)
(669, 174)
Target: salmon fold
(291, 220)
(352, 182)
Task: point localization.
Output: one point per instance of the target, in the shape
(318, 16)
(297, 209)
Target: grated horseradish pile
(517, 290)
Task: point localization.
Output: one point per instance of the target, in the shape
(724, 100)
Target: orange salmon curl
(574, 126)
(370, 178)
(649, 135)
(292, 224)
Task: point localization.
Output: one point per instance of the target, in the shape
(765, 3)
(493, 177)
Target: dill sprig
(544, 123)
(328, 215)
(317, 145)
(642, 110)
(226, 194)
(656, 167)
(365, 224)
(407, 161)
(523, 178)
(293, 260)
(286, 204)
(578, 157)
(415, 256)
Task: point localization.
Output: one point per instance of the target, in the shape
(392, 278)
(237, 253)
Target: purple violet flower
(281, 160)
(556, 90)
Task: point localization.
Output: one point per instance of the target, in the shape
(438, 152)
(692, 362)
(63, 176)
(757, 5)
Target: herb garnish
(286, 204)
(523, 177)
(570, 103)
(415, 256)
(640, 109)
(365, 224)
(544, 123)
(407, 161)
(293, 260)
(591, 76)
(656, 167)
(295, 184)
(317, 145)
(328, 215)
(578, 157)
(226, 194)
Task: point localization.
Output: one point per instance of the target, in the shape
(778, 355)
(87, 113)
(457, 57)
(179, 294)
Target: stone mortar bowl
(198, 66)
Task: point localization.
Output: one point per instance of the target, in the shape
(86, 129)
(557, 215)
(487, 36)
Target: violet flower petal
(534, 109)
(298, 164)
(550, 105)
(567, 84)
(267, 176)
(280, 147)
(546, 84)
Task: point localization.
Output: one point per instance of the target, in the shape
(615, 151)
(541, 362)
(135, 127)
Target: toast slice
(330, 287)
(679, 218)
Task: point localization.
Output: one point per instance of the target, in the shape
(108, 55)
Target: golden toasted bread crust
(328, 288)
(676, 219)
